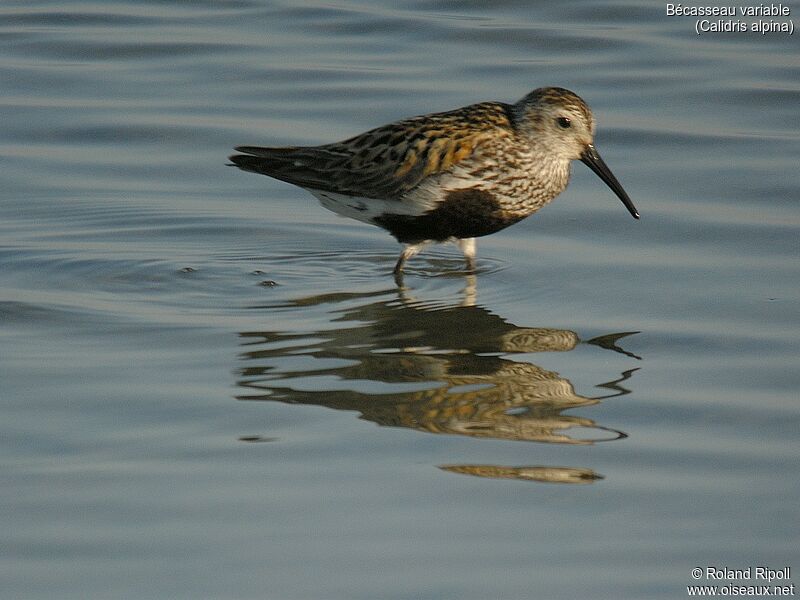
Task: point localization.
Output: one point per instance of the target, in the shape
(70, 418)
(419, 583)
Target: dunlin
(450, 176)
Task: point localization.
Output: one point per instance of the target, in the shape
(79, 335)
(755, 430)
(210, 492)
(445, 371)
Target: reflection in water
(545, 474)
(436, 369)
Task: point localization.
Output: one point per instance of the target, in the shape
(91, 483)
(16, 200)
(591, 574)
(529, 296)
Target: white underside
(366, 209)
(425, 197)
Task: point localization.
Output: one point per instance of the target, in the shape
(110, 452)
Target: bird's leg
(467, 246)
(408, 251)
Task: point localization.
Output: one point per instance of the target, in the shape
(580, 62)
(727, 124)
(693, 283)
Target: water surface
(213, 388)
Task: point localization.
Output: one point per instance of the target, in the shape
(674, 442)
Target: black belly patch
(463, 214)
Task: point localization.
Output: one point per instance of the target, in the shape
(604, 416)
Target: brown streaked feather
(389, 161)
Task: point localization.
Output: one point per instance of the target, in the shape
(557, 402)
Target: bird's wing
(386, 162)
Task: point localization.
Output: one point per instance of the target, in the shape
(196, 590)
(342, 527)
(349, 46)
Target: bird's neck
(536, 180)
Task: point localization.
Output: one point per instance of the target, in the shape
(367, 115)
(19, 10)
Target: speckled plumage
(454, 175)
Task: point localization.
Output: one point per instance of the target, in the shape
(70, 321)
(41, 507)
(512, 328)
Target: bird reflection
(543, 474)
(450, 370)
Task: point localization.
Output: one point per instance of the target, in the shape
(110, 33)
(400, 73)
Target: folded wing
(388, 162)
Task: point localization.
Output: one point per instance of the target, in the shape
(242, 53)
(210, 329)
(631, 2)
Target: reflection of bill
(442, 371)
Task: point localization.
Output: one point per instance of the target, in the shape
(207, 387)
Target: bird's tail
(297, 165)
(266, 161)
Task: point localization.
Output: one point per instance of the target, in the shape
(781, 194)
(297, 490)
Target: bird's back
(387, 162)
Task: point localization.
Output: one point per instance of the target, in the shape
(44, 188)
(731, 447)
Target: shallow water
(212, 387)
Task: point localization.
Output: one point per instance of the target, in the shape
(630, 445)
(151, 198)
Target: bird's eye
(563, 122)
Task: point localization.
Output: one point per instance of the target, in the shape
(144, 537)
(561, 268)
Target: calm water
(212, 388)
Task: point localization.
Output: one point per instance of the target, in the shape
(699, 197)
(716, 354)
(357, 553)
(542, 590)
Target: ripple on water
(425, 419)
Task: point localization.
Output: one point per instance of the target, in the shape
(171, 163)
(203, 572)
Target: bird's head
(560, 123)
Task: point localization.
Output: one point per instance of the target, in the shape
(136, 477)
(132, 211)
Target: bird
(447, 176)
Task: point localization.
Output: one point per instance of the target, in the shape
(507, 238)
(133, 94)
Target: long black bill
(592, 159)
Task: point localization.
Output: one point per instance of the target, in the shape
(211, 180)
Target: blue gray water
(212, 388)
